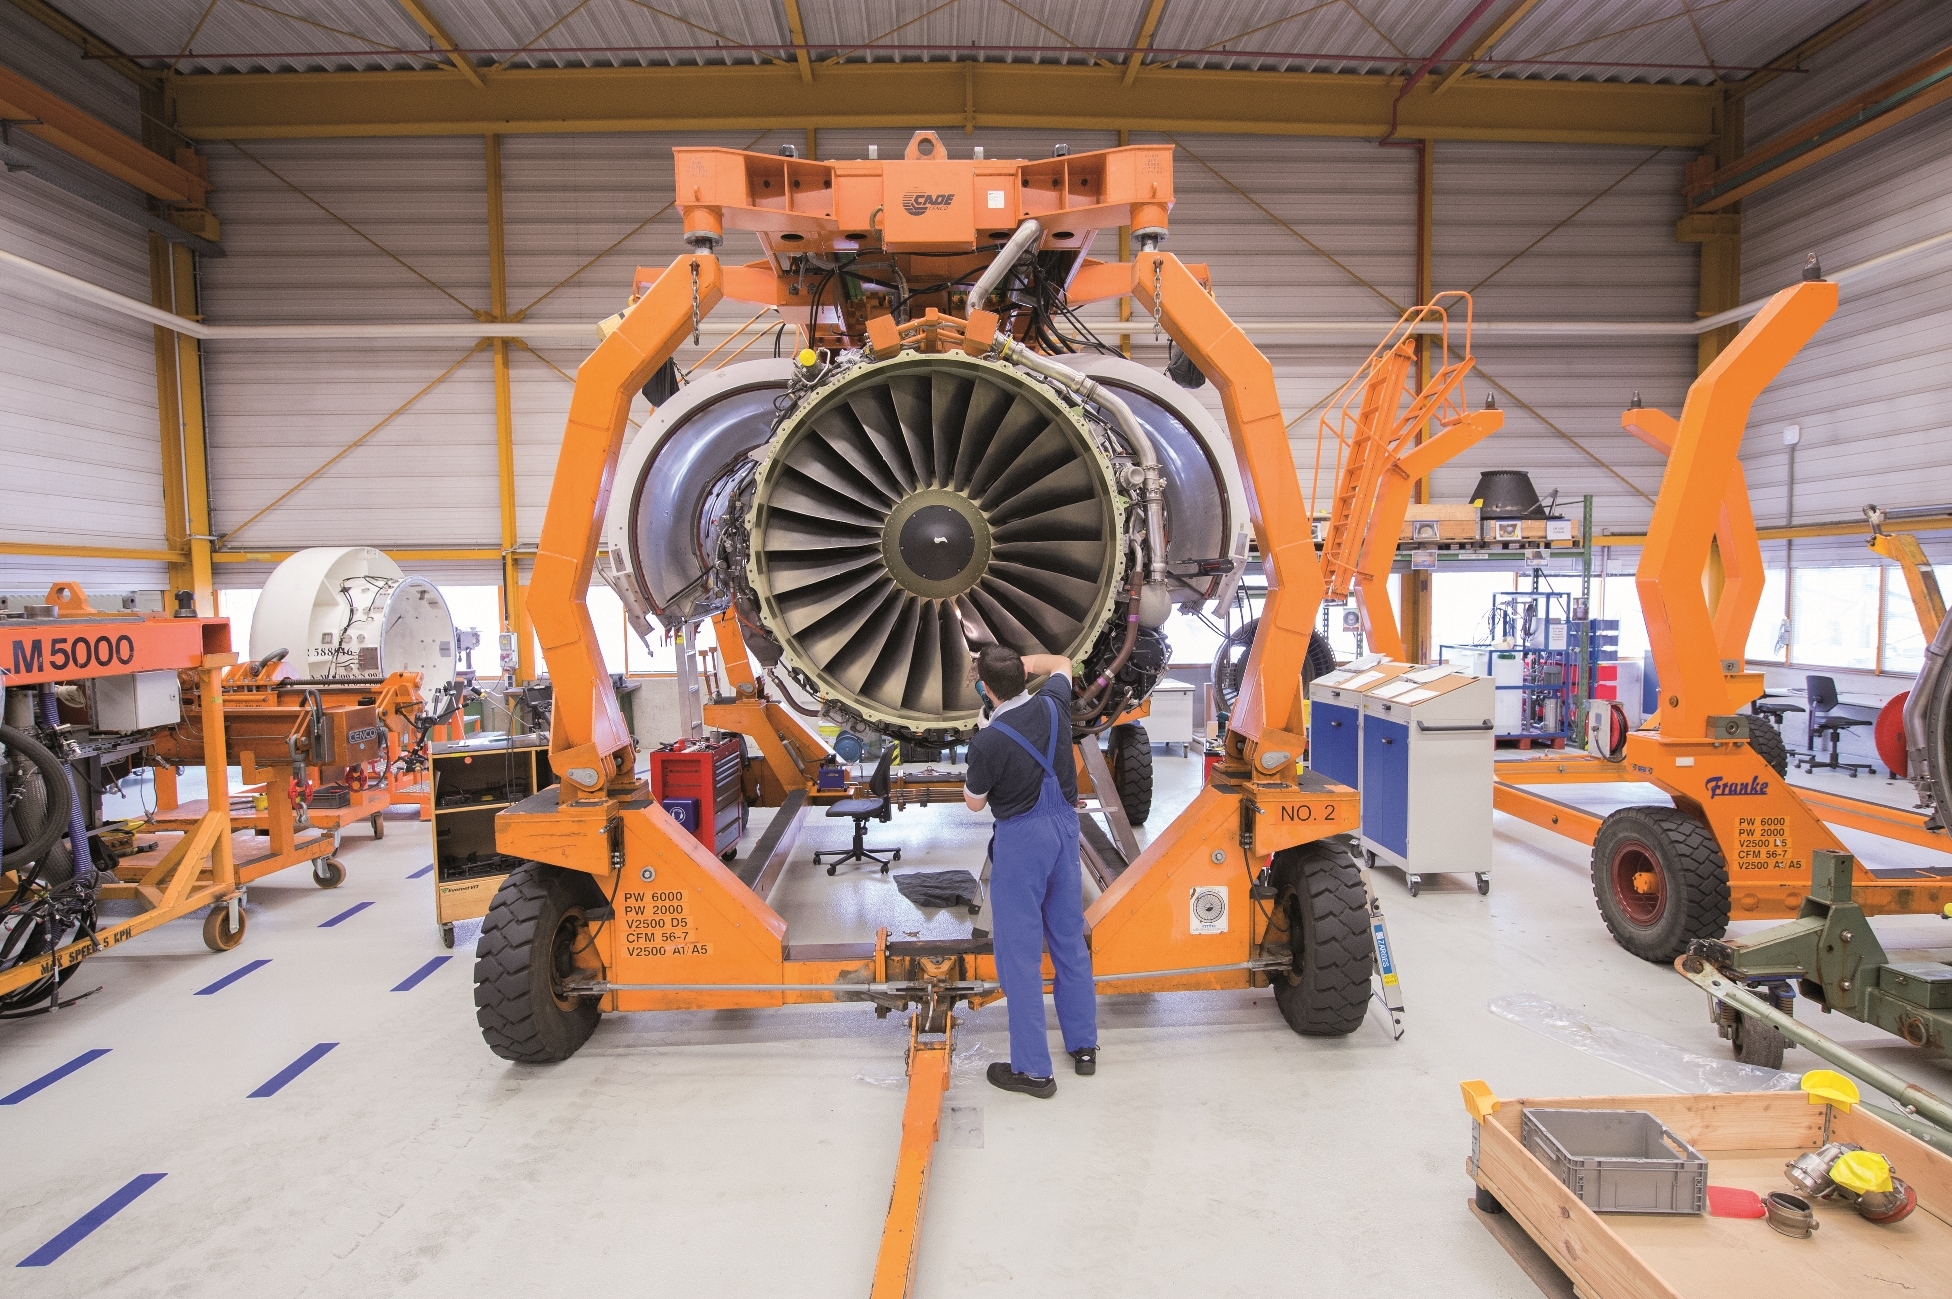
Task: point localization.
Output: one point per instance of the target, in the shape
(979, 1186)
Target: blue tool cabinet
(1420, 753)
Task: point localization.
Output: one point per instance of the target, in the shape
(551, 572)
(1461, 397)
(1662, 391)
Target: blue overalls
(1038, 898)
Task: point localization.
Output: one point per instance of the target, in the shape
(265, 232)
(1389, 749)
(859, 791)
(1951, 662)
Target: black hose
(54, 778)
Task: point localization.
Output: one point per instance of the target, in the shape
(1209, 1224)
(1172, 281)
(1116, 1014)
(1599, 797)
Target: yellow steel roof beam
(1147, 26)
(1482, 45)
(939, 95)
(796, 27)
(462, 63)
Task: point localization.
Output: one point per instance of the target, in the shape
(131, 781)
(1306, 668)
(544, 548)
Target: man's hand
(1039, 665)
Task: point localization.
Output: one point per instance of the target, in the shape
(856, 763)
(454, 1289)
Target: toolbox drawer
(1924, 983)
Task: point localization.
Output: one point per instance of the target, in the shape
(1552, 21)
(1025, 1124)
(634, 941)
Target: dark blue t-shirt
(1010, 777)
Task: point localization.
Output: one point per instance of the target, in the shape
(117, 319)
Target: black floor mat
(939, 888)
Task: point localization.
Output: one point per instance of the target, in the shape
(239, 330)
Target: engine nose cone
(937, 542)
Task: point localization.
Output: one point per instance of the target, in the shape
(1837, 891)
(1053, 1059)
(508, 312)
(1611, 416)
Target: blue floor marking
(292, 1070)
(77, 1231)
(347, 914)
(412, 980)
(232, 977)
(49, 1079)
(422, 871)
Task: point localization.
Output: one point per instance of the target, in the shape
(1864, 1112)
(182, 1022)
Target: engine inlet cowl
(916, 509)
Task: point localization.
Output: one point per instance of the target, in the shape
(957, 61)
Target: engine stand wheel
(378, 822)
(447, 935)
(1758, 1043)
(1130, 760)
(1660, 881)
(218, 936)
(1318, 888)
(1767, 741)
(526, 952)
(328, 872)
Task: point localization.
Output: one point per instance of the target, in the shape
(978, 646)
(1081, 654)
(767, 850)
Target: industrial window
(1765, 633)
(1904, 640)
(1833, 617)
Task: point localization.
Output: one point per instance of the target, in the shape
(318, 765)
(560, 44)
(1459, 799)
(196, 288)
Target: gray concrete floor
(751, 1152)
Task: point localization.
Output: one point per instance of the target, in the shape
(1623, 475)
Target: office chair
(1777, 709)
(1831, 718)
(875, 807)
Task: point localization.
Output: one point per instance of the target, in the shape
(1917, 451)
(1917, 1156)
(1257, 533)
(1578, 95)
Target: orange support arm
(1270, 692)
(589, 745)
(1689, 508)
(1379, 629)
(1734, 534)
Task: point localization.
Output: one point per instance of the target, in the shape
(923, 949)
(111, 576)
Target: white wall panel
(79, 436)
(1869, 392)
(1614, 260)
(279, 410)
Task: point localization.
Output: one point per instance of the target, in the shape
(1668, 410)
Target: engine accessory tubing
(1024, 240)
(1111, 403)
(54, 817)
(77, 823)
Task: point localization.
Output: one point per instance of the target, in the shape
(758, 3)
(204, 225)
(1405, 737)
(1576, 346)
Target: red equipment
(710, 773)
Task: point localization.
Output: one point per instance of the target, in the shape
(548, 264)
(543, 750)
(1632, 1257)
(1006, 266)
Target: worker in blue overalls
(1020, 767)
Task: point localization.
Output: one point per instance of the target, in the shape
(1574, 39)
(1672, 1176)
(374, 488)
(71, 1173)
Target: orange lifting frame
(1367, 443)
(730, 949)
(1689, 753)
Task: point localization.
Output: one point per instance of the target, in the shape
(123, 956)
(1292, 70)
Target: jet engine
(872, 523)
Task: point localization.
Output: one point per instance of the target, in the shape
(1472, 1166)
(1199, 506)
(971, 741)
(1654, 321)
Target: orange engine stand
(639, 916)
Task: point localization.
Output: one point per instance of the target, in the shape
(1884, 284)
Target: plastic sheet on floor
(1642, 1053)
(965, 1062)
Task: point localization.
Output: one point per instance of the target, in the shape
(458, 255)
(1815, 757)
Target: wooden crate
(1428, 521)
(1747, 1137)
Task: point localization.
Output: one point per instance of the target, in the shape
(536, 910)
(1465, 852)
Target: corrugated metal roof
(1680, 41)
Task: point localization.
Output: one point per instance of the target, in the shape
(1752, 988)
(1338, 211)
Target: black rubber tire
(55, 793)
(1690, 897)
(515, 1003)
(1320, 661)
(1767, 741)
(1320, 887)
(1230, 663)
(1759, 1043)
(1486, 1201)
(1131, 766)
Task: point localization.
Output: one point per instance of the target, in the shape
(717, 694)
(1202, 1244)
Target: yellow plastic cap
(1862, 1171)
(1948, 911)
(1479, 1100)
(807, 358)
(1828, 1087)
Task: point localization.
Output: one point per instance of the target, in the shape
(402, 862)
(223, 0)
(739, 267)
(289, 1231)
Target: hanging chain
(694, 302)
(1158, 290)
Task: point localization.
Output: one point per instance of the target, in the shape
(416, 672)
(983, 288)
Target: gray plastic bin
(1618, 1161)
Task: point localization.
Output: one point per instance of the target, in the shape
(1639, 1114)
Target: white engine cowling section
(350, 612)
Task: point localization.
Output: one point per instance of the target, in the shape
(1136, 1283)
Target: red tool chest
(710, 773)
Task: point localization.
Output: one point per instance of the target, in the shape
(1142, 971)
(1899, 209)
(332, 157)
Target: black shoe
(1086, 1061)
(1001, 1075)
